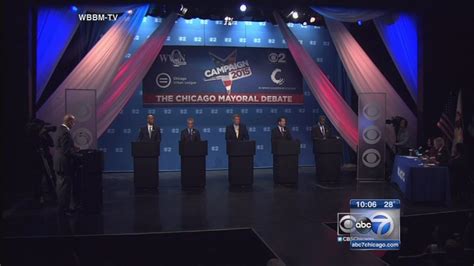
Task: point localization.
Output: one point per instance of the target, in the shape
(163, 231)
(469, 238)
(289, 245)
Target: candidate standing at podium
(150, 133)
(281, 132)
(237, 131)
(321, 130)
(190, 134)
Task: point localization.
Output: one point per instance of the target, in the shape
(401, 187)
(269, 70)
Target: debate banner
(223, 75)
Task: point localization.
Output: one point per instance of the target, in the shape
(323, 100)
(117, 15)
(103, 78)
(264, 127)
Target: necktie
(149, 131)
(323, 131)
(282, 131)
(237, 132)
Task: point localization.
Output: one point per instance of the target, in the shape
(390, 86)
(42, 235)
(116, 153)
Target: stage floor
(290, 220)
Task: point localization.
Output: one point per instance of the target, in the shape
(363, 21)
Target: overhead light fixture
(305, 23)
(130, 11)
(294, 14)
(312, 20)
(359, 22)
(243, 7)
(74, 8)
(228, 20)
(183, 10)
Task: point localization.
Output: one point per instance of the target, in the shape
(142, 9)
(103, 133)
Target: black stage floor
(292, 221)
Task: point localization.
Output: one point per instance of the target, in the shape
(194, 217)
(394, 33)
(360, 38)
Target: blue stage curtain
(55, 28)
(399, 33)
(348, 15)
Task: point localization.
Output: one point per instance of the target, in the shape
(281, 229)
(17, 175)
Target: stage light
(312, 20)
(294, 14)
(359, 22)
(243, 7)
(183, 10)
(130, 11)
(228, 20)
(305, 23)
(74, 8)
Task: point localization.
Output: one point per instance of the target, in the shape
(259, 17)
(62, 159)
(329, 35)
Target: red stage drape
(130, 75)
(333, 105)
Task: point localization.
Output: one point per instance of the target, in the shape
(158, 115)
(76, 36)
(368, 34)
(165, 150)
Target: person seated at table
(430, 150)
(441, 157)
(458, 172)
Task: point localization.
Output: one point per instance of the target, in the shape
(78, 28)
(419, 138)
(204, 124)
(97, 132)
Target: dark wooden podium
(285, 161)
(328, 159)
(240, 155)
(193, 164)
(146, 164)
(90, 175)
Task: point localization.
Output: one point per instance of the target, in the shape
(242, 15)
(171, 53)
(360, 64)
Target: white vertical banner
(82, 104)
(371, 148)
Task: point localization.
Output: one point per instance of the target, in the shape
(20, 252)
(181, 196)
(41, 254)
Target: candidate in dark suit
(65, 162)
(150, 133)
(236, 131)
(321, 130)
(190, 134)
(281, 132)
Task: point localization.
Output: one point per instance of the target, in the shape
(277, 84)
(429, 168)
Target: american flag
(446, 121)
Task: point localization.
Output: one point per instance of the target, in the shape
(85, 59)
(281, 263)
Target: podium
(285, 161)
(146, 164)
(241, 162)
(328, 159)
(90, 179)
(193, 163)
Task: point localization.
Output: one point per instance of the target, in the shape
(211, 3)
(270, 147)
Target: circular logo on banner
(163, 80)
(84, 113)
(371, 111)
(382, 224)
(277, 80)
(371, 135)
(371, 158)
(82, 138)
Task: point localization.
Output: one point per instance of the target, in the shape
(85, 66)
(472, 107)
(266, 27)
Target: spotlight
(359, 22)
(294, 14)
(312, 20)
(183, 10)
(228, 20)
(74, 8)
(305, 23)
(243, 7)
(130, 11)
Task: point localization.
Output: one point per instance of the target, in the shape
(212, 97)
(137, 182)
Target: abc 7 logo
(379, 223)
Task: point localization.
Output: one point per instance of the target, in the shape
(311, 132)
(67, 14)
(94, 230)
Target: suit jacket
(143, 136)
(316, 132)
(277, 135)
(65, 155)
(230, 133)
(187, 137)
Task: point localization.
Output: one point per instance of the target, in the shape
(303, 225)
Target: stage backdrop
(212, 119)
(223, 75)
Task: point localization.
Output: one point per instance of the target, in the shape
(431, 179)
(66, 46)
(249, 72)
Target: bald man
(150, 133)
(65, 164)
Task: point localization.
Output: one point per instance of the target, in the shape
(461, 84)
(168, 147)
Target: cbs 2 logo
(277, 58)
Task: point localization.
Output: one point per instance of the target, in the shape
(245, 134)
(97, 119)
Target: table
(419, 182)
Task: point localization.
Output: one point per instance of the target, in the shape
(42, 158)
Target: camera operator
(402, 143)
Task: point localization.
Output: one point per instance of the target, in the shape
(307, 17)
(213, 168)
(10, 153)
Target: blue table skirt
(419, 183)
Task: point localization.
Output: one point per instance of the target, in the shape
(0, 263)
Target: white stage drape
(97, 69)
(130, 75)
(337, 110)
(366, 77)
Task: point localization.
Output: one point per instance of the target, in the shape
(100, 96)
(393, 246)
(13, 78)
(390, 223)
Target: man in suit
(65, 165)
(281, 132)
(237, 131)
(150, 133)
(442, 154)
(190, 134)
(321, 130)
